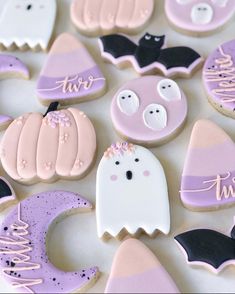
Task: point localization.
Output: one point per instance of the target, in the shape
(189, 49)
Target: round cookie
(199, 17)
(149, 110)
(101, 17)
(126, 175)
(219, 78)
(60, 144)
(23, 236)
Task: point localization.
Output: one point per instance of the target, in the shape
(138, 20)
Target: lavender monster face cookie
(219, 78)
(149, 110)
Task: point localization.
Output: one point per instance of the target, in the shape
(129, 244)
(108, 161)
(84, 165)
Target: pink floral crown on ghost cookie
(119, 149)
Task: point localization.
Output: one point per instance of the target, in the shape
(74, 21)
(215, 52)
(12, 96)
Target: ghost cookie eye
(117, 162)
(137, 160)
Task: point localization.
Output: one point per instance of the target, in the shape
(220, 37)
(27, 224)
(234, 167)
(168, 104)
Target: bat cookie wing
(208, 247)
(7, 194)
(116, 46)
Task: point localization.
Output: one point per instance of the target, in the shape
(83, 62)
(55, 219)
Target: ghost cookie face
(132, 194)
(199, 17)
(219, 78)
(27, 24)
(149, 110)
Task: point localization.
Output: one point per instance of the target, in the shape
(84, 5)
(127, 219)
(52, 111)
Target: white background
(74, 243)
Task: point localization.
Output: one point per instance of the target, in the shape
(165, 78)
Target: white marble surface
(74, 241)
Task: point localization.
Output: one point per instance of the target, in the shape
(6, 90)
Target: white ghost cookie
(27, 24)
(132, 193)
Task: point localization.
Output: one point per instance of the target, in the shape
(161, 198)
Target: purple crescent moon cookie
(23, 258)
(208, 180)
(219, 78)
(199, 17)
(70, 75)
(149, 110)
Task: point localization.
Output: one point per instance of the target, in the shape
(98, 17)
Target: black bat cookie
(7, 195)
(209, 247)
(150, 55)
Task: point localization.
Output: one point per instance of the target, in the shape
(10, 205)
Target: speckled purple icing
(10, 64)
(23, 259)
(5, 119)
(219, 76)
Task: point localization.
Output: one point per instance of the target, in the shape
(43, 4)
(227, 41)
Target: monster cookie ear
(128, 102)
(155, 117)
(169, 90)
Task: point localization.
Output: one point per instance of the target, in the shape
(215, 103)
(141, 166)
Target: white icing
(169, 90)
(132, 204)
(23, 24)
(183, 2)
(128, 102)
(155, 117)
(202, 13)
(220, 3)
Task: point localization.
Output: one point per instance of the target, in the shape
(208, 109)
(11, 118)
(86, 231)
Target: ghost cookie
(199, 17)
(136, 269)
(101, 17)
(149, 110)
(60, 144)
(208, 180)
(27, 24)
(219, 78)
(24, 235)
(65, 78)
(131, 193)
(150, 55)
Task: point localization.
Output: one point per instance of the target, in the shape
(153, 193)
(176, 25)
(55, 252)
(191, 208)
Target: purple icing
(39, 211)
(4, 119)
(11, 64)
(198, 194)
(91, 82)
(221, 74)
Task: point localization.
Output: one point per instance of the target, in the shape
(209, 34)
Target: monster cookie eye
(128, 102)
(169, 90)
(155, 117)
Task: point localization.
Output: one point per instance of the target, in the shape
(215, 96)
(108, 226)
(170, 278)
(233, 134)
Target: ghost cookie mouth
(129, 175)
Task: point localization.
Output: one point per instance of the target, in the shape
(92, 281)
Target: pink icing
(63, 144)
(133, 126)
(113, 178)
(146, 173)
(180, 15)
(104, 16)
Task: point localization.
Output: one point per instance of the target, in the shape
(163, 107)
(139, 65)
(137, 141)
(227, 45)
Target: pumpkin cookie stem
(52, 107)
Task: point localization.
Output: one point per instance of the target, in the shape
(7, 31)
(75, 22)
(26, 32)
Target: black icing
(207, 246)
(5, 190)
(149, 51)
(129, 175)
(233, 233)
(52, 107)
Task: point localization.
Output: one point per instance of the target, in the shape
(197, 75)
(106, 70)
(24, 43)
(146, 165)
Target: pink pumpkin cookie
(61, 144)
(208, 180)
(199, 17)
(126, 174)
(100, 17)
(136, 269)
(24, 262)
(149, 110)
(70, 75)
(219, 78)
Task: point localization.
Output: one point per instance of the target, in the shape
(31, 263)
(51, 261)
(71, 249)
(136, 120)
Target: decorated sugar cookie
(70, 75)
(100, 17)
(7, 194)
(136, 269)
(60, 144)
(208, 179)
(131, 193)
(199, 17)
(208, 248)
(150, 55)
(149, 110)
(219, 78)
(11, 67)
(27, 24)
(24, 263)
